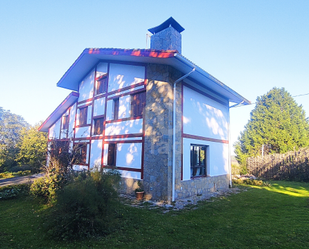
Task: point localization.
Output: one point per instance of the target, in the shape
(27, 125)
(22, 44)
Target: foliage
(10, 128)
(277, 125)
(32, 148)
(251, 182)
(140, 187)
(14, 191)
(85, 206)
(14, 174)
(58, 171)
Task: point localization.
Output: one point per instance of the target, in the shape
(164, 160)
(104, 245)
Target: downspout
(174, 130)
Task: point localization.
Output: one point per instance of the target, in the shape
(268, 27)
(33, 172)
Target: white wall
(54, 130)
(72, 120)
(121, 75)
(96, 153)
(99, 107)
(129, 155)
(217, 157)
(81, 132)
(86, 87)
(124, 127)
(203, 116)
(124, 107)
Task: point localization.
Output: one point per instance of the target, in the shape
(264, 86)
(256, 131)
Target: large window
(198, 160)
(138, 102)
(98, 126)
(83, 116)
(111, 157)
(101, 84)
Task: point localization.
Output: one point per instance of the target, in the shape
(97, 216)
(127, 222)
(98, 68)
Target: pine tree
(277, 125)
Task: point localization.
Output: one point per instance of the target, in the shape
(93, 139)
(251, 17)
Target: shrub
(251, 182)
(85, 206)
(9, 192)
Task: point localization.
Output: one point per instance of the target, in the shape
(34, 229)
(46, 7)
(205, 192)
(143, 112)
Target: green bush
(251, 182)
(85, 206)
(9, 192)
(46, 187)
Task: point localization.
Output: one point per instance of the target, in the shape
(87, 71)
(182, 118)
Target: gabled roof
(57, 113)
(91, 56)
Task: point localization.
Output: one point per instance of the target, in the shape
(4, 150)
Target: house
(151, 113)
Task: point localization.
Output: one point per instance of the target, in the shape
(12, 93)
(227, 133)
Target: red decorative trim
(127, 88)
(100, 96)
(123, 168)
(205, 138)
(123, 119)
(84, 101)
(127, 93)
(124, 136)
(80, 126)
(122, 141)
(205, 94)
(82, 138)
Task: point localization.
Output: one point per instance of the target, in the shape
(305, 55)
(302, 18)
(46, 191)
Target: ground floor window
(81, 153)
(111, 157)
(198, 160)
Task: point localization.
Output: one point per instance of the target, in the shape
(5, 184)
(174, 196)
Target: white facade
(205, 123)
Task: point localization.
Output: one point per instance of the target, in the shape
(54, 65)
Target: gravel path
(19, 180)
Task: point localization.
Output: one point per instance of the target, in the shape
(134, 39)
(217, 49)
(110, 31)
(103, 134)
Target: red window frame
(83, 116)
(138, 102)
(98, 124)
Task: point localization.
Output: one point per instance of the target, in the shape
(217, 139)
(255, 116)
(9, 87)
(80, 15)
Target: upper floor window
(101, 84)
(115, 108)
(98, 126)
(198, 160)
(83, 116)
(65, 122)
(138, 102)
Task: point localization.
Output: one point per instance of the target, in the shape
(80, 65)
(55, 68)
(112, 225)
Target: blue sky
(251, 46)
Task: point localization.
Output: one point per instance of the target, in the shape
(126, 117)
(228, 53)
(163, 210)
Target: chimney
(166, 36)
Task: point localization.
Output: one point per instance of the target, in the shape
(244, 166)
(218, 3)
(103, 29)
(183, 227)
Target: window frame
(82, 151)
(101, 125)
(111, 154)
(101, 86)
(82, 119)
(138, 103)
(195, 160)
(115, 114)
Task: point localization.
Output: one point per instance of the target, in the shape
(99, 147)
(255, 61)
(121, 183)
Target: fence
(293, 166)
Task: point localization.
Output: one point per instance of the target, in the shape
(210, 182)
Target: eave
(57, 113)
(90, 57)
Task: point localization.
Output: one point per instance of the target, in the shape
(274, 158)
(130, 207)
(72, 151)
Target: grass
(275, 216)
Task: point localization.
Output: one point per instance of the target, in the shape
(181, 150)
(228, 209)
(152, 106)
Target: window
(81, 153)
(101, 84)
(198, 160)
(83, 116)
(98, 126)
(138, 102)
(111, 157)
(65, 122)
(115, 109)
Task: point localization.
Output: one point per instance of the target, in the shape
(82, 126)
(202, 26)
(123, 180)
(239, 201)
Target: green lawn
(261, 217)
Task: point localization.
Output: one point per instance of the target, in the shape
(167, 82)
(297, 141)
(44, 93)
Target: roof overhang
(57, 113)
(90, 57)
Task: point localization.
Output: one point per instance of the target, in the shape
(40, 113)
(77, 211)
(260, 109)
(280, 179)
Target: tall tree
(10, 128)
(32, 147)
(277, 125)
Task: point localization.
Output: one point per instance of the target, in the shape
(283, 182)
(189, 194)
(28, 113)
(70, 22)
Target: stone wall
(159, 131)
(167, 39)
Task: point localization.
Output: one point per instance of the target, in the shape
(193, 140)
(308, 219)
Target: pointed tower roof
(169, 22)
